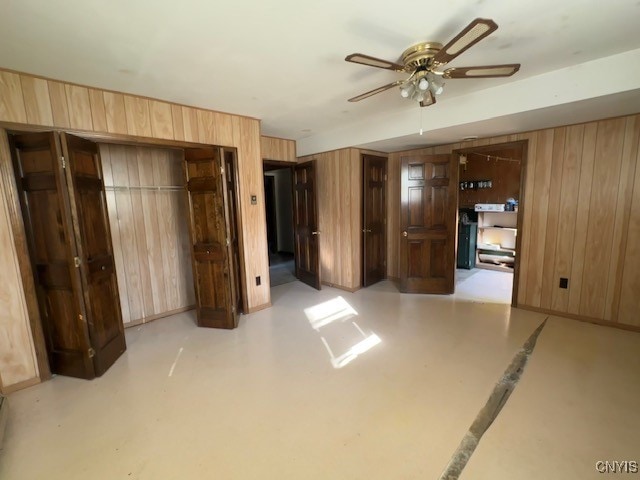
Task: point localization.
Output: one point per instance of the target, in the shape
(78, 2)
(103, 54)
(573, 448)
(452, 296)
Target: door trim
(524, 146)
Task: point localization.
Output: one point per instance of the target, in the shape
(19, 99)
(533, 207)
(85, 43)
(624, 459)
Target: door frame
(524, 149)
(279, 164)
(362, 212)
(7, 179)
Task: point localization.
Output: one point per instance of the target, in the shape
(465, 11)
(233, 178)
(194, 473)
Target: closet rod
(152, 188)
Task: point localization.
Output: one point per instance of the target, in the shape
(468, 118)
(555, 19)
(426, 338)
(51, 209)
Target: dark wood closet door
(233, 217)
(428, 223)
(211, 253)
(374, 229)
(40, 177)
(306, 234)
(93, 237)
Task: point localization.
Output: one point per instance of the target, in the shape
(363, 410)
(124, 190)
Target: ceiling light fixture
(422, 86)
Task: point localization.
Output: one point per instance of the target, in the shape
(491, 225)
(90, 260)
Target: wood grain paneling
(580, 219)
(79, 107)
(138, 116)
(602, 207)
(17, 362)
(161, 120)
(279, 149)
(98, 111)
(339, 179)
(59, 106)
(253, 234)
(12, 107)
(622, 239)
(553, 213)
(567, 212)
(504, 174)
(36, 100)
(153, 261)
(116, 112)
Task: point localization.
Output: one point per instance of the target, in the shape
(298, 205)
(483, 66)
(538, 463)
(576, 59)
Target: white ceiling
(282, 61)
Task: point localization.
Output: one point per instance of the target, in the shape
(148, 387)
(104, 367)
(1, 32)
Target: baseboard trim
(582, 318)
(258, 308)
(341, 287)
(151, 318)
(7, 389)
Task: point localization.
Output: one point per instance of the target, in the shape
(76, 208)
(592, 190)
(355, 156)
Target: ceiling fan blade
(374, 62)
(472, 34)
(429, 100)
(373, 92)
(486, 71)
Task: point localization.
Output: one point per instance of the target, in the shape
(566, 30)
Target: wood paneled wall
(339, 179)
(504, 175)
(29, 100)
(17, 360)
(581, 219)
(279, 149)
(149, 230)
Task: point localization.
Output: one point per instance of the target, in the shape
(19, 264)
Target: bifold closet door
(97, 266)
(209, 227)
(79, 307)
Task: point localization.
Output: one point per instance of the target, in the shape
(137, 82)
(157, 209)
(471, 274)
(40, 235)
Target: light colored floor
(485, 286)
(334, 385)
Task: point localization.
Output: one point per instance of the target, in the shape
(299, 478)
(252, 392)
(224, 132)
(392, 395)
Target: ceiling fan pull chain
(420, 109)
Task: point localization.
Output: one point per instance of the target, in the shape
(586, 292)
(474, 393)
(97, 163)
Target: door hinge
(385, 177)
(80, 317)
(64, 162)
(222, 170)
(228, 242)
(91, 352)
(233, 309)
(76, 261)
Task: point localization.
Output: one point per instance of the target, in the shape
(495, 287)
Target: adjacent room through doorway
(489, 194)
(278, 192)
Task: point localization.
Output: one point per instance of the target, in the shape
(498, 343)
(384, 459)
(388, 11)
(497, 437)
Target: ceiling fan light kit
(422, 61)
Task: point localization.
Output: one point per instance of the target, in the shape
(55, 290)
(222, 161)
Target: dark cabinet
(467, 234)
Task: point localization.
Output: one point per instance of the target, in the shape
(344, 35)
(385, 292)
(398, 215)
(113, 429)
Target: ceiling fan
(423, 60)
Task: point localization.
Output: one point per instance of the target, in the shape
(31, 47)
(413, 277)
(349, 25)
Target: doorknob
(366, 230)
(315, 233)
(404, 234)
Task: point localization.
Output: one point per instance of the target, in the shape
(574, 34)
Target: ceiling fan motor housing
(418, 56)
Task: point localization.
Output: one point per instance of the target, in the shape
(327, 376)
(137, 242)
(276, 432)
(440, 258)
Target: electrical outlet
(258, 280)
(564, 282)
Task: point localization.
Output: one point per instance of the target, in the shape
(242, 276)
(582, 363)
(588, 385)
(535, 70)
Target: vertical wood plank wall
(149, 230)
(17, 360)
(339, 179)
(29, 100)
(279, 149)
(581, 218)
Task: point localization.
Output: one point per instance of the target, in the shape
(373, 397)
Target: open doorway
(278, 191)
(490, 191)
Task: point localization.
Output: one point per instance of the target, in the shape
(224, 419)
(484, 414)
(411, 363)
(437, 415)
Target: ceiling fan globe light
(423, 84)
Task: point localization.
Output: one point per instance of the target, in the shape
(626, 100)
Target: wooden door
(374, 228)
(428, 223)
(306, 234)
(70, 247)
(211, 253)
(233, 216)
(94, 250)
